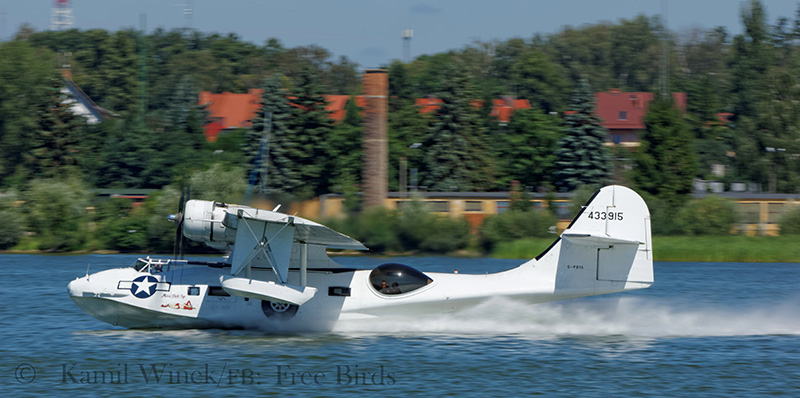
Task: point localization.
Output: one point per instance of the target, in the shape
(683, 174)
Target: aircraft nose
(77, 287)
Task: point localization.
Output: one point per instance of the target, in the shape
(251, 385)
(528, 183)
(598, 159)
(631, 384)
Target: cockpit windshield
(393, 278)
(140, 265)
(151, 265)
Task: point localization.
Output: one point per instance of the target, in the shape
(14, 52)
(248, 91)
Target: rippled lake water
(702, 329)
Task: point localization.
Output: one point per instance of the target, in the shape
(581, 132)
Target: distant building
(623, 114)
(80, 104)
(502, 108)
(228, 111)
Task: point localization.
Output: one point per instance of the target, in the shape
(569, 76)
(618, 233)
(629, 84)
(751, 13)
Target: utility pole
(664, 80)
(142, 68)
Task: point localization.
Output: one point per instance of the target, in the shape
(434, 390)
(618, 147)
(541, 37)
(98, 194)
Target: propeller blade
(181, 245)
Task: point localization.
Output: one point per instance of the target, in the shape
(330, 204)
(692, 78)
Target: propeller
(177, 248)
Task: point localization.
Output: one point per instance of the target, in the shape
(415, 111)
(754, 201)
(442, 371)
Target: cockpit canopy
(393, 278)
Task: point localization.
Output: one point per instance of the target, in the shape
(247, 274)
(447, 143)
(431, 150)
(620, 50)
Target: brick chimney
(374, 178)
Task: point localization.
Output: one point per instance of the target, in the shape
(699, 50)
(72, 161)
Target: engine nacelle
(203, 221)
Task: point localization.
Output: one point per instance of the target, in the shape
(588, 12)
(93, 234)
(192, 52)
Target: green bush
(56, 212)
(411, 229)
(377, 228)
(444, 234)
(512, 225)
(219, 183)
(11, 232)
(790, 222)
(119, 227)
(711, 215)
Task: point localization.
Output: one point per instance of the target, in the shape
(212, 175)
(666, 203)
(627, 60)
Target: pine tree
(456, 154)
(581, 158)
(266, 149)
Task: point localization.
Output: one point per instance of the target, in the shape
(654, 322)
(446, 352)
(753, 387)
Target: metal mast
(61, 17)
(664, 80)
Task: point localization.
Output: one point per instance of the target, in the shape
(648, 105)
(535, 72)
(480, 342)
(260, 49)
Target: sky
(369, 32)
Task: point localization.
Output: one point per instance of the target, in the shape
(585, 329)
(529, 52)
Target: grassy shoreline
(733, 248)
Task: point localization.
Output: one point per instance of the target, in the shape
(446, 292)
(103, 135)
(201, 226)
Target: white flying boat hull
(606, 249)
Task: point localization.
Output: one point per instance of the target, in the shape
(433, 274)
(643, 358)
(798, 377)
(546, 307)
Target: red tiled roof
(626, 110)
(428, 104)
(232, 110)
(336, 105)
(502, 108)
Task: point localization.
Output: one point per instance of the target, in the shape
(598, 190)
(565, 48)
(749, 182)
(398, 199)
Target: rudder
(607, 247)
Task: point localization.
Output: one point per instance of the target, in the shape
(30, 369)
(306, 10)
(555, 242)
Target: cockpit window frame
(395, 279)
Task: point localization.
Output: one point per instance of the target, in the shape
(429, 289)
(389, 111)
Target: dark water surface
(716, 329)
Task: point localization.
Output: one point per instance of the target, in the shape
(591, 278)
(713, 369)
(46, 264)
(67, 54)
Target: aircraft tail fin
(607, 247)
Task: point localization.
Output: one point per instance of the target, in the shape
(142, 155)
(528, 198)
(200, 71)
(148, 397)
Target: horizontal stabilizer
(268, 291)
(596, 239)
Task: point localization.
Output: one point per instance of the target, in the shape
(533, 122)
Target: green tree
(26, 78)
(750, 63)
(219, 183)
(265, 146)
(665, 164)
(306, 153)
(525, 149)
(54, 144)
(456, 152)
(539, 80)
(345, 150)
(635, 49)
(407, 131)
(581, 158)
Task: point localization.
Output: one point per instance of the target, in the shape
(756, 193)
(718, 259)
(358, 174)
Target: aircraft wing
(266, 238)
(305, 230)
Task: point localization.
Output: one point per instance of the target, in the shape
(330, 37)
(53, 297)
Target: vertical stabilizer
(607, 247)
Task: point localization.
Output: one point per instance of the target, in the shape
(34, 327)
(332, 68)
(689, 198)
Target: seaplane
(278, 276)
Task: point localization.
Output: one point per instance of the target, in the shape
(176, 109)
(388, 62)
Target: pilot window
(217, 291)
(395, 278)
(194, 290)
(139, 265)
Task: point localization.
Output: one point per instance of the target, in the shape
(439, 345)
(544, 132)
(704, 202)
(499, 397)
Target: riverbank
(732, 248)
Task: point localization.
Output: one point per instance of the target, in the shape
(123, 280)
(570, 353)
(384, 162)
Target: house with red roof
(336, 104)
(228, 111)
(622, 113)
(502, 108)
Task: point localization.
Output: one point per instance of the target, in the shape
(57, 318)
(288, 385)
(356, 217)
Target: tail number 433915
(605, 215)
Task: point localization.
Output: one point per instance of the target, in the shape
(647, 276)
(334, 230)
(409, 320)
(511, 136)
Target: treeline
(152, 83)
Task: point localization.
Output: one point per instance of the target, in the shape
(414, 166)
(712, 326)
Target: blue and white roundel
(144, 286)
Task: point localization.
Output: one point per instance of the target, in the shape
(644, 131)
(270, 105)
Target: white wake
(624, 316)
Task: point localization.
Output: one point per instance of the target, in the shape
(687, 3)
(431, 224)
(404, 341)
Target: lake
(702, 329)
